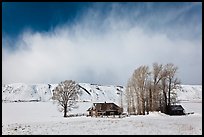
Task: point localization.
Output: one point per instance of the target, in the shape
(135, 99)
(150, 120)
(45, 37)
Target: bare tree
(127, 97)
(169, 83)
(148, 93)
(163, 105)
(137, 90)
(157, 77)
(130, 97)
(66, 94)
(173, 82)
(143, 84)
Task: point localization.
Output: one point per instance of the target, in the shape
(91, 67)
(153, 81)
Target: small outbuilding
(176, 110)
(104, 109)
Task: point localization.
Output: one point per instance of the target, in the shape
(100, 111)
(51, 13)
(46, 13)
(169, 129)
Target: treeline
(152, 90)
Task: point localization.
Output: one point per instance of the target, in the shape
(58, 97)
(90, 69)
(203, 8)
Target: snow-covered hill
(20, 92)
(190, 92)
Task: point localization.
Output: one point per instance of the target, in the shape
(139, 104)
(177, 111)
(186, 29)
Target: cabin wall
(105, 109)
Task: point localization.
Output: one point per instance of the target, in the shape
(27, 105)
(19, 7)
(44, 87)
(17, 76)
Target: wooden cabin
(104, 109)
(176, 110)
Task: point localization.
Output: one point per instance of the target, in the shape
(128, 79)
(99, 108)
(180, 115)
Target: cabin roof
(176, 107)
(104, 103)
(104, 106)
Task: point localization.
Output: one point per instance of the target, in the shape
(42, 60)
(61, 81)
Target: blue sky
(99, 42)
(40, 16)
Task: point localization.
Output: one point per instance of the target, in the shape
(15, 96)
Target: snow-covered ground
(43, 117)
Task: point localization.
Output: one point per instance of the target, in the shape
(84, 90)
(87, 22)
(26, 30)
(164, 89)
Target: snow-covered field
(22, 116)
(43, 118)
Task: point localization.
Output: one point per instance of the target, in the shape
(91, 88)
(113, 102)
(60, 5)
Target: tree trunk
(143, 103)
(169, 103)
(147, 104)
(65, 111)
(165, 102)
(150, 99)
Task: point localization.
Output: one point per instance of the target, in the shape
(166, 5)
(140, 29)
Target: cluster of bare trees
(152, 90)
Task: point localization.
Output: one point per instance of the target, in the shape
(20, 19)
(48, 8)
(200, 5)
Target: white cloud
(106, 54)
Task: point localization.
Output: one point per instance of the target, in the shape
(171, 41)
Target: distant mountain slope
(190, 92)
(23, 92)
(19, 92)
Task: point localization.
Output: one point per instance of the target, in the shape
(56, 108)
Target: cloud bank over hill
(105, 46)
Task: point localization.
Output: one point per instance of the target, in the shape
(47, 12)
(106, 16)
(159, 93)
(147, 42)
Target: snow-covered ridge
(20, 92)
(190, 92)
(24, 92)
